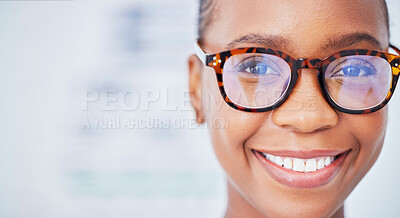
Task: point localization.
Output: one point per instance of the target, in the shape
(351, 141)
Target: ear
(195, 71)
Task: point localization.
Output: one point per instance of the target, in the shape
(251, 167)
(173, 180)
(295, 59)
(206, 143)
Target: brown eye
(258, 69)
(258, 66)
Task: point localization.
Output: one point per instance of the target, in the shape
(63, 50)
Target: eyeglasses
(260, 79)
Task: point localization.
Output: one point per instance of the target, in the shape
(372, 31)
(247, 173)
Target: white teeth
(287, 163)
(321, 164)
(298, 165)
(311, 165)
(327, 161)
(272, 159)
(279, 161)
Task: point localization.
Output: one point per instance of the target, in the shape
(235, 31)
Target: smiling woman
(306, 86)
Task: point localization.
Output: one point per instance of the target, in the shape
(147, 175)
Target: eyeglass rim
(217, 60)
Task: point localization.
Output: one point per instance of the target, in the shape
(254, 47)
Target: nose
(305, 110)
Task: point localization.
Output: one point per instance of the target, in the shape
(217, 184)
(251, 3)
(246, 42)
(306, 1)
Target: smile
(302, 169)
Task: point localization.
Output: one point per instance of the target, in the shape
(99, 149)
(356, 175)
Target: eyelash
(252, 61)
(356, 63)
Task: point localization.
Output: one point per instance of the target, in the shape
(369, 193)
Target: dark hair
(207, 13)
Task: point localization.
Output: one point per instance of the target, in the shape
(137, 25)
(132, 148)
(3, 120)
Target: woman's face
(305, 127)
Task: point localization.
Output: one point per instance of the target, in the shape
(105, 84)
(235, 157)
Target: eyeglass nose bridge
(308, 63)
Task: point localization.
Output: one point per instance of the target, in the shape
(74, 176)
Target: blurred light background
(59, 158)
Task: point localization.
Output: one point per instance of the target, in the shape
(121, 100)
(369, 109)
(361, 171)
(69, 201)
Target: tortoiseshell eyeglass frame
(217, 61)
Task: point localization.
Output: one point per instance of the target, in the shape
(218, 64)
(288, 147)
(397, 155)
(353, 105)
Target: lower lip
(302, 180)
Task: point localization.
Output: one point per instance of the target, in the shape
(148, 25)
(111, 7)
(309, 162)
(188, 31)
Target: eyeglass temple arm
(200, 53)
(395, 48)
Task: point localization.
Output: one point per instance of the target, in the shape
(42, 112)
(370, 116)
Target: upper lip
(303, 154)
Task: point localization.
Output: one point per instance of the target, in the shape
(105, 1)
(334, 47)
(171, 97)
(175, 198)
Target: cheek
(237, 126)
(369, 130)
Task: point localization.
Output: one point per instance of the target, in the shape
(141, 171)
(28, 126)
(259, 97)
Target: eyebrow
(347, 40)
(260, 39)
(276, 41)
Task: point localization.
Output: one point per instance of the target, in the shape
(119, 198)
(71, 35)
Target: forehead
(303, 23)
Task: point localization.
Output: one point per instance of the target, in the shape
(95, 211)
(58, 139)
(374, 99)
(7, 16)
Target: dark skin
(303, 29)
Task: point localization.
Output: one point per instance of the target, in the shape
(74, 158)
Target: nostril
(306, 109)
(307, 125)
(306, 121)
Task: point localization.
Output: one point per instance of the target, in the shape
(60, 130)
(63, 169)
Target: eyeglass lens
(261, 80)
